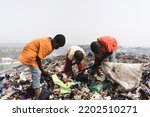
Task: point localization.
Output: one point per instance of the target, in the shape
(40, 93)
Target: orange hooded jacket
(108, 44)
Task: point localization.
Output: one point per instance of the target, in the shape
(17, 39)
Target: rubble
(15, 84)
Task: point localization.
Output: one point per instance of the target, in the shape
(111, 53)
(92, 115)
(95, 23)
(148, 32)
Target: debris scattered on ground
(15, 84)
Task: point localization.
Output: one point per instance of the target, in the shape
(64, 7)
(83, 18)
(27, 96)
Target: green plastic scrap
(97, 87)
(64, 88)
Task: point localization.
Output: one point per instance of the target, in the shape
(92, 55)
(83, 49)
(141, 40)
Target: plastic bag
(127, 75)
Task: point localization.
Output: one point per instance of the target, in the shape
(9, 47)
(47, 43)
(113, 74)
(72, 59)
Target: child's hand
(45, 73)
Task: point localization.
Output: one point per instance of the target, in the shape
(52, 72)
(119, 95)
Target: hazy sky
(81, 21)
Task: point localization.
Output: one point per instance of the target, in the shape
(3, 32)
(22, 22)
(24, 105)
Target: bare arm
(38, 60)
(98, 62)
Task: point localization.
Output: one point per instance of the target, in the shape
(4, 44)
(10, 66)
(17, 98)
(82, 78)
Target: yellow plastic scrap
(64, 88)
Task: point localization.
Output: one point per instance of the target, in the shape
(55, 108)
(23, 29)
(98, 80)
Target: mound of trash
(128, 79)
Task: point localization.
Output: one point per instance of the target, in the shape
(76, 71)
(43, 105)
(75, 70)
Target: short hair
(59, 38)
(78, 55)
(95, 46)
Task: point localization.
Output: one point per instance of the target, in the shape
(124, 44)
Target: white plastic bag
(127, 75)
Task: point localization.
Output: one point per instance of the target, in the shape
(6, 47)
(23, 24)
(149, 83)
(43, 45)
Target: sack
(44, 95)
(126, 75)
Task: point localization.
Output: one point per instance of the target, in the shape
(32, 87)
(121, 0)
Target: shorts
(36, 75)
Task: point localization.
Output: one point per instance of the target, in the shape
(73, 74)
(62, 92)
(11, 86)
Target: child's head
(78, 55)
(58, 41)
(95, 47)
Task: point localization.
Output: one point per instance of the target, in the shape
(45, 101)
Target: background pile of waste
(15, 84)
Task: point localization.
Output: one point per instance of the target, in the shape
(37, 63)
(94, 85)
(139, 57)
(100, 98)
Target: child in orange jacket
(103, 48)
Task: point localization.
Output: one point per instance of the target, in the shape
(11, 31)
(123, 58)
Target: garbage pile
(15, 84)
